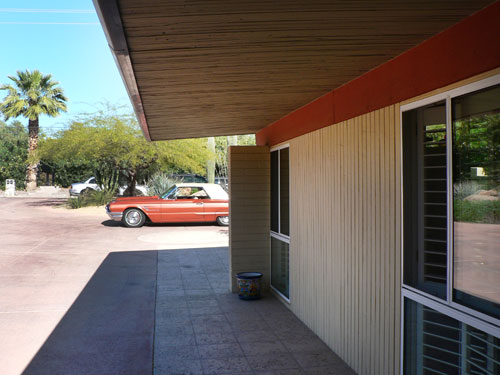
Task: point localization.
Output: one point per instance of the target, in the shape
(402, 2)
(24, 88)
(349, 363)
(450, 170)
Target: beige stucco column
(249, 211)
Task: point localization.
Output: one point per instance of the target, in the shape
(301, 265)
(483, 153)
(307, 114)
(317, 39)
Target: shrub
(69, 172)
(13, 153)
(74, 202)
(99, 197)
(91, 198)
(462, 190)
(159, 183)
(487, 212)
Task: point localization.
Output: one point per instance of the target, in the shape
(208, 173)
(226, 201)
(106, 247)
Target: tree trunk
(32, 169)
(211, 160)
(132, 181)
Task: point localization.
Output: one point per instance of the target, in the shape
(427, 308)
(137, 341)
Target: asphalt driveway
(61, 270)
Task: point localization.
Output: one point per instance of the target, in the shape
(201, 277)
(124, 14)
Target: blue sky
(63, 38)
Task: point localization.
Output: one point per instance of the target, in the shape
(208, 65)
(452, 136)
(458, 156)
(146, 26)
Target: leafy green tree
(13, 152)
(111, 142)
(476, 143)
(68, 171)
(221, 146)
(211, 160)
(33, 94)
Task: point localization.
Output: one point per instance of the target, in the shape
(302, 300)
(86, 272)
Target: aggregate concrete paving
(80, 294)
(77, 291)
(202, 329)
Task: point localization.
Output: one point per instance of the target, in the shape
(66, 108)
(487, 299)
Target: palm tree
(34, 94)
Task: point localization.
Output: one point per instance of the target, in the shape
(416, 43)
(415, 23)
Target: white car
(77, 188)
(139, 190)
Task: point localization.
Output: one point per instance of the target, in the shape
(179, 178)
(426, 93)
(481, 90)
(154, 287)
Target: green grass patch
(486, 212)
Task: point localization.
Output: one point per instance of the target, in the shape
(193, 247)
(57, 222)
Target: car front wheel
(133, 218)
(223, 221)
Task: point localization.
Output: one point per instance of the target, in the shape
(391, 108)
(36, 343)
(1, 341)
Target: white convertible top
(214, 191)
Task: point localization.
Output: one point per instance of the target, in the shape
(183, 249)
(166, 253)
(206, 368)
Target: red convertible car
(186, 202)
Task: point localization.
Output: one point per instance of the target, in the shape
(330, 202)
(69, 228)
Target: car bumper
(117, 216)
(73, 192)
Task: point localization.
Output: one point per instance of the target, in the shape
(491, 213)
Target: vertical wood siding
(249, 211)
(345, 261)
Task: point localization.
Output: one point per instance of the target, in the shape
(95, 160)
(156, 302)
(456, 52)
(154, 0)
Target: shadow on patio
(170, 312)
(109, 328)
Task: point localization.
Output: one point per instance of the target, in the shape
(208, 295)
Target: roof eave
(109, 16)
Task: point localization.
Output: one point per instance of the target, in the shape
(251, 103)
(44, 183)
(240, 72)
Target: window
(280, 220)
(451, 230)
(188, 192)
(275, 178)
(280, 266)
(436, 343)
(425, 190)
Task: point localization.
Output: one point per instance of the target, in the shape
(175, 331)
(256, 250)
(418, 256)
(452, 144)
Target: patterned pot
(249, 285)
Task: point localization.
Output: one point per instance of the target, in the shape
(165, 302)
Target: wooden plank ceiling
(207, 68)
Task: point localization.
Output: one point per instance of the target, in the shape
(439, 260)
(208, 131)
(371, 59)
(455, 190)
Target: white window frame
(446, 306)
(277, 235)
(285, 240)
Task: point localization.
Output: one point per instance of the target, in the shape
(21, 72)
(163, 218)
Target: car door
(183, 206)
(92, 183)
(154, 210)
(214, 208)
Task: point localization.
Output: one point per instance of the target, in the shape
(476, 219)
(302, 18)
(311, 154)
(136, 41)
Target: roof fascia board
(464, 50)
(109, 16)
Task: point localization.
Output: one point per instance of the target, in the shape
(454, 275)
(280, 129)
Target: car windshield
(185, 192)
(169, 191)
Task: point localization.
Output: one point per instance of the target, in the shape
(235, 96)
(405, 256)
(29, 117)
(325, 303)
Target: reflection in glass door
(476, 200)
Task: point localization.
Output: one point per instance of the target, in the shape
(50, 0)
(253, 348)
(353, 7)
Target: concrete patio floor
(201, 328)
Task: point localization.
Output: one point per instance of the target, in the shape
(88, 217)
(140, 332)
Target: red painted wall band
(466, 49)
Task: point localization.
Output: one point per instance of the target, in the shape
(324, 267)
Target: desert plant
(74, 202)
(159, 183)
(91, 198)
(463, 189)
(109, 180)
(99, 197)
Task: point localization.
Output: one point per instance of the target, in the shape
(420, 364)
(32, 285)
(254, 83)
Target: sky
(63, 38)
